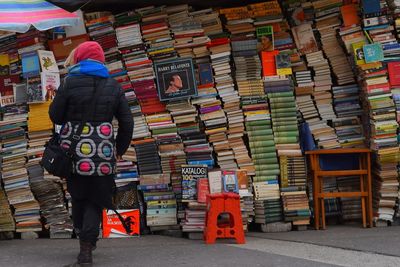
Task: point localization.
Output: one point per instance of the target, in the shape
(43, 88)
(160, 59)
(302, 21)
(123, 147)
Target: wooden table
(364, 172)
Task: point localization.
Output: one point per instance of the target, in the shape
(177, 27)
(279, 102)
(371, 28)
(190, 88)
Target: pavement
(336, 246)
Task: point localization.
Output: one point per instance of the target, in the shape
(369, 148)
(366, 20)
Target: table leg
(315, 192)
(369, 188)
(362, 189)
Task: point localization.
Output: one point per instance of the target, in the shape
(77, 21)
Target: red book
(203, 189)
(268, 62)
(394, 73)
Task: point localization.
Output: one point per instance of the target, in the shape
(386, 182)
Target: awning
(18, 16)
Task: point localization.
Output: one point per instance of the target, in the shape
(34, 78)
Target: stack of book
(6, 219)
(127, 172)
(209, 20)
(160, 201)
(341, 69)
(284, 115)
(267, 202)
(295, 205)
(100, 29)
(189, 37)
(350, 207)
(246, 197)
(9, 49)
(148, 160)
(156, 33)
(52, 207)
(349, 131)
(195, 187)
(293, 171)
(322, 84)
(13, 171)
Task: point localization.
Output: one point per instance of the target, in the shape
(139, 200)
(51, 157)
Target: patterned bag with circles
(94, 153)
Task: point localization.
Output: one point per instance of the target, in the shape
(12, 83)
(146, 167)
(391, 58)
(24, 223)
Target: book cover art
(190, 175)
(35, 90)
(230, 181)
(4, 64)
(47, 61)
(265, 37)
(268, 63)
(215, 181)
(50, 84)
(283, 64)
(7, 89)
(112, 225)
(243, 180)
(304, 38)
(358, 52)
(20, 93)
(373, 52)
(205, 74)
(203, 189)
(175, 79)
(394, 73)
(30, 65)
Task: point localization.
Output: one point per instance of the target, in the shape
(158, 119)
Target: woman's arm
(58, 106)
(125, 124)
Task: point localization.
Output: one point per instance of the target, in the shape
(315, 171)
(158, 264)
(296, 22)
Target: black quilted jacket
(73, 98)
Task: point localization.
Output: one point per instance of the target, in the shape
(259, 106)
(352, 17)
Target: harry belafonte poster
(175, 79)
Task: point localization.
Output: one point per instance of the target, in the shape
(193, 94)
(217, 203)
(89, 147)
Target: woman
(89, 94)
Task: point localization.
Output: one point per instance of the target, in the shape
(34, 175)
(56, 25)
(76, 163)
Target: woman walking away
(85, 105)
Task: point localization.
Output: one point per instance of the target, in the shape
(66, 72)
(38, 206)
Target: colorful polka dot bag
(94, 152)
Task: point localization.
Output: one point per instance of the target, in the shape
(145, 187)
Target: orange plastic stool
(223, 203)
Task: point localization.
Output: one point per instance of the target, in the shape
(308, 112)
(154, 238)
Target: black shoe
(85, 254)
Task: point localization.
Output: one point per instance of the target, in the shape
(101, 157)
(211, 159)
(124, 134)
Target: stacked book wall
(375, 69)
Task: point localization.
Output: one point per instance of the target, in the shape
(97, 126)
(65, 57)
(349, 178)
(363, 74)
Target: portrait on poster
(175, 79)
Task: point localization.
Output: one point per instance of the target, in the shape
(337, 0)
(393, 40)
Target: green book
(267, 172)
(262, 143)
(261, 138)
(280, 134)
(284, 127)
(258, 123)
(259, 150)
(265, 161)
(282, 105)
(280, 94)
(267, 167)
(287, 139)
(261, 132)
(263, 155)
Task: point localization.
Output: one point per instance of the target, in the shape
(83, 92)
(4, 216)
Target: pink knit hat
(89, 50)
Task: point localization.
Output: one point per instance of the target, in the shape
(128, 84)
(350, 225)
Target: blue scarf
(89, 67)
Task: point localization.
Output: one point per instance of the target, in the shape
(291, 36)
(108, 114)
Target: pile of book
(322, 84)
(6, 219)
(148, 160)
(195, 187)
(284, 115)
(100, 29)
(295, 205)
(349, 131)
(13, 171)
(293, 171)
(9, 52)
(156, 33)
(52, 207)
(267, 202)
(350, 207)
(209, 20)
(246, 197)
(126, 172)
(160, 201)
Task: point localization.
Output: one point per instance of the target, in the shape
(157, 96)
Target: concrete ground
(336, 246)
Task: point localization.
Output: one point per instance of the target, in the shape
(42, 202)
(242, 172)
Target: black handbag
(57, 160)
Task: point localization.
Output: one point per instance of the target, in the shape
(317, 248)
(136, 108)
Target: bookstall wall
(250, 76)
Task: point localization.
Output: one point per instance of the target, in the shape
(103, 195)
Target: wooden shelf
(342, 173)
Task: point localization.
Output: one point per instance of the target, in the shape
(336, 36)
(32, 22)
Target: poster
(7, 89)
(50, 84)
(113, 228)
(175, 79)
(190, 175)
(35, 91)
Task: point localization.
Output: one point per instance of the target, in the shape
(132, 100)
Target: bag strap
(126, 224)
(86, 115)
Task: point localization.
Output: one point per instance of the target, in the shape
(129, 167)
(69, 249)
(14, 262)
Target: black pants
(87, 217)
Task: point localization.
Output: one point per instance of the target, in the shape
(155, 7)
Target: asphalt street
(337, 246)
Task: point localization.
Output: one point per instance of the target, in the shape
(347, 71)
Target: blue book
(127, 175)
(152, 187)
(371, 6)
(206, 73)
(373, 52)
(30, 64)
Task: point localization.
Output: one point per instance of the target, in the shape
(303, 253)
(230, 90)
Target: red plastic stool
(223, 203)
